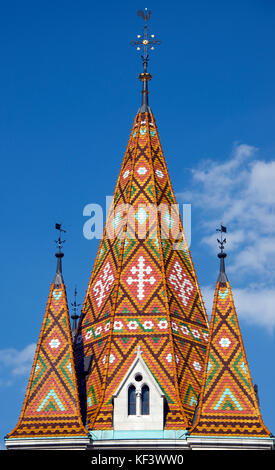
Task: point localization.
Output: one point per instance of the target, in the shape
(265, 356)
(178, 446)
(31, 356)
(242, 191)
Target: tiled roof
(143, 291)
(228, 405)
(51, 405)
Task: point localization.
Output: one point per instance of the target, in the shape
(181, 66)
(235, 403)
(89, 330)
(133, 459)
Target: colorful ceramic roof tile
(143, 291)
(51, 406)
(228, 405)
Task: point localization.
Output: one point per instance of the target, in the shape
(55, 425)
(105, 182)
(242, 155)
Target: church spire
(51, 406)
(143, 289)
(144, 43)
(228, 405)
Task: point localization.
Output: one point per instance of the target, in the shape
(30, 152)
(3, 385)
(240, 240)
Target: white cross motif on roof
(182, 285)
(141, 270)
(103, 284)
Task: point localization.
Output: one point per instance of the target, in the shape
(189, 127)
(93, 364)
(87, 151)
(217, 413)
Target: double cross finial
(145, 41)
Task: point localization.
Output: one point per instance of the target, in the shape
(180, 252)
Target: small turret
(51, 406)
(228, 404)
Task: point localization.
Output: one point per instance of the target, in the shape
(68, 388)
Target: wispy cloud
(239, 191)
(254, 306)
(14, 363)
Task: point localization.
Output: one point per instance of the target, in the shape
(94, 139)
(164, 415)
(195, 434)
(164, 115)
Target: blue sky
(69, 94)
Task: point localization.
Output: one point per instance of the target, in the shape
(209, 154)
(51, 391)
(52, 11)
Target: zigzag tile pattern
(51, 406)
(228, 405)
(143, 291)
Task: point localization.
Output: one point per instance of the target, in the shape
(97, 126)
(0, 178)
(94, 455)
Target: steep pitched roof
(228, 405)
(51, 405)
(143, 290)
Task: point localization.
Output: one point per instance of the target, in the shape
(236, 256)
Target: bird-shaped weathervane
(145, 16)
(59, 242)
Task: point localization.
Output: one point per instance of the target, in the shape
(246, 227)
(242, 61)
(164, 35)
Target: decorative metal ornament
(146, 41)
(222, 240)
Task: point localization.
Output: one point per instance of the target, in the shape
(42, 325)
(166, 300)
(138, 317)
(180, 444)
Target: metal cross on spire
(146, 41)
(143, 43)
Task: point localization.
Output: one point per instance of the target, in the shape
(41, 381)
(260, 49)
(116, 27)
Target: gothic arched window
(131, 400)
(145, 400)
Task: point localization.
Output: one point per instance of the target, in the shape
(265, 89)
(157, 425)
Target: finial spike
(74, 316)
(58, 280)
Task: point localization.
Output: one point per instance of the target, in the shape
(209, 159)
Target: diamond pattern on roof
(150, 280)
(228, 405)
(51, 406)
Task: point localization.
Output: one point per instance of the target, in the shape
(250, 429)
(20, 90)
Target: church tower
(142, 368)
(143, 298)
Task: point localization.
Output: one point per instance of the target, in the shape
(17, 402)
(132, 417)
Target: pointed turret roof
(228, 405)
(143, 290)
(51, 405)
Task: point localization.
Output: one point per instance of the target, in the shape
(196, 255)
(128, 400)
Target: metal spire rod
(144, 42)
(59, 255)
(59, 242)
(75, 316)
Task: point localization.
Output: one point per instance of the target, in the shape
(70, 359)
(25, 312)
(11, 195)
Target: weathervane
(222, 255)
(222, 240)
(59, 242)
(145, 42)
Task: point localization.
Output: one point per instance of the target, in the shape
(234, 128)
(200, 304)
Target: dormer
(138, 400)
